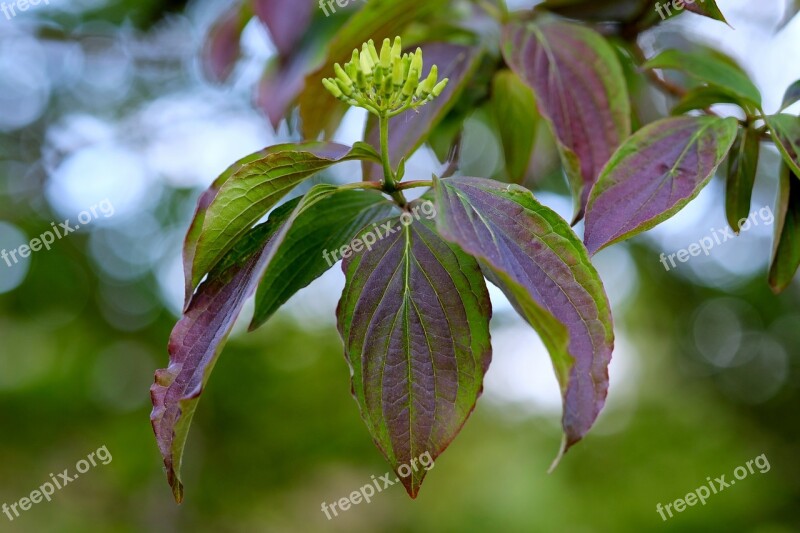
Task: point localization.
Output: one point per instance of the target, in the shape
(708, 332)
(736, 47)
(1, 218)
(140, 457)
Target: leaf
(515, 111)
(792, 95)
(247, 191)
(712, 68)
(786, 248)
(287, 21)
(378, 19)
(536, 259)
(580, 90)
(408, 131)
(707, 8)
(786, 136)
(742, 167)
(198, 338)
(279, 87)
(414, 317)
(660, 169)
(326, 219)
(702, 97)
(222, 46)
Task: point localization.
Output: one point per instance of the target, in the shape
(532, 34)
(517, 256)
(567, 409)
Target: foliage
(414, 315)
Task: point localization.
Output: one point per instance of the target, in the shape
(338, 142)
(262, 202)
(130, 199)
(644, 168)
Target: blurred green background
(105, 100)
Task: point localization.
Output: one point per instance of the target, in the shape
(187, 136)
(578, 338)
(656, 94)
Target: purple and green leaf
(222, 47)
(326, 219)
(786, 248)
(580, 89)
(785, 131)
(659, 170)
(198, 338)
(791, 96)
(247, 191)
(707, 8)
(414, 318)
(742, 167)
(536, 259)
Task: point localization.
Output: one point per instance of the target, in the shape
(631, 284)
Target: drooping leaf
(742, 166)
(377, 20)
(786, 248)
(247, 191)
(198, 338)
(707, 8)
(702, 97)
(654, 175)
(580, 89)
(287, 21)
(533, 255)
(515, 111)
(792, 95)
(408, 131)
(785, 131)
(221, 49)
(414, 317)
(326, 219)
(713, 68)
(280, 85)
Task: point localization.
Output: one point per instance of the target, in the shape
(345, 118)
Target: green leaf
(326, 219)
(785, 131)
(544, 270)
(742, 166)
(580, 90)
(515, 111)
(659, 170)
(247, 191)
(792, 95)
(786, 248)
(702, 97)
(713, 68)
(414, 318)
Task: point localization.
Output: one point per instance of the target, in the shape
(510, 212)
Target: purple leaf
(279, 87)
(580, 90)
(659, 170)
(536, 259)
(414, 317)
(785, 130)
(286, 20)
(198, 338)
(707, 8)
(221, 49)
(408, 131)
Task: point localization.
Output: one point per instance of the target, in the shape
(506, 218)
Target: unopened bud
(439, 87)
(386, 54)
(373, 53)
(397, 49)
(334, 90)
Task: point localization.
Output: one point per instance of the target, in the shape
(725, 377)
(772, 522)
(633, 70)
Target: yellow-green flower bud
(397, 49)
(334, 90)
(373, 53)
(411, 84)
(366, 62)
(397, 73)
(386, 54)
(439, 87)
(343, 77)
(416, 61)
(426, 86)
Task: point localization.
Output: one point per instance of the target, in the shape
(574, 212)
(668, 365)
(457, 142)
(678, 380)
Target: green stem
(412, 184)
(389, 183)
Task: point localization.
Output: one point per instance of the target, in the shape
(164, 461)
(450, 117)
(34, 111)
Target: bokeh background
(106, 99)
